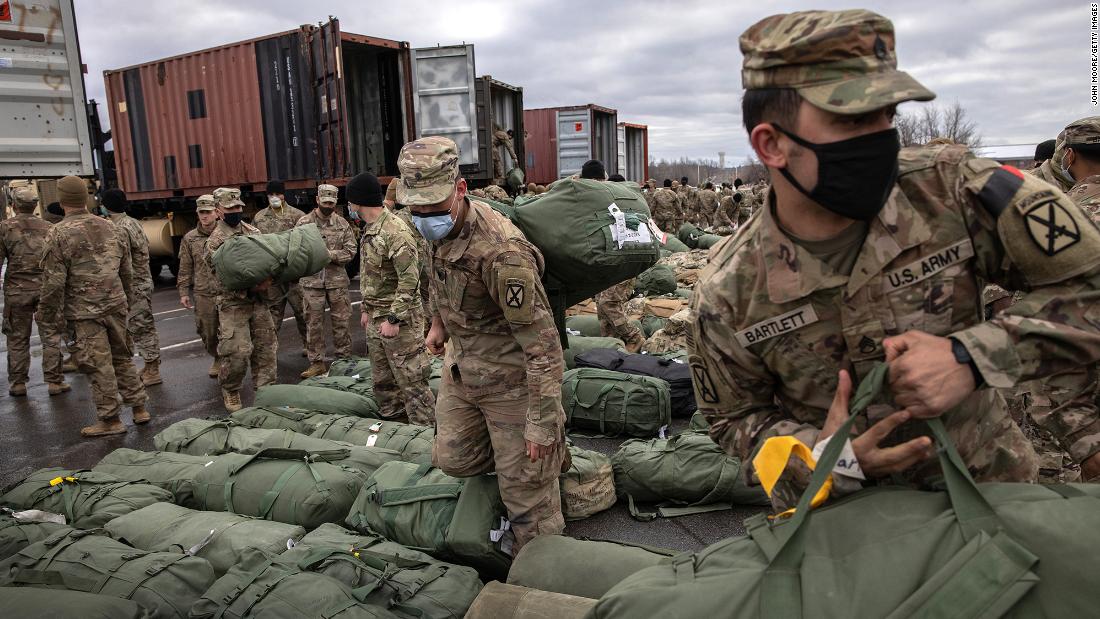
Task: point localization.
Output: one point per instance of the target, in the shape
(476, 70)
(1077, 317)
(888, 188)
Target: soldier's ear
(765, 141)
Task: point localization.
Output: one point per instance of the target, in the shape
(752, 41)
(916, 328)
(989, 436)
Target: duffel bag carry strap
(412, 493)
(997, 564)
(599, 403)
(176, 446)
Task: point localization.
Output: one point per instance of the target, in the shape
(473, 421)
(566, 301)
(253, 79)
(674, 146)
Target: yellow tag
(772, 459)
(59, 480)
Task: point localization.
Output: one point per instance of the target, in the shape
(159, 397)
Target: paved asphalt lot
(41, 431)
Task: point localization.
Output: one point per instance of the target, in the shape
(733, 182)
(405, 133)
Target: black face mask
(327, 211)
(232, 219)
(855, 176)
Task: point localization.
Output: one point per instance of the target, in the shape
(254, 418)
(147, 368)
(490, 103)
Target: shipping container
(304, 106)
(45, 128)
(559, 140)
(634, 152)
(500, 106)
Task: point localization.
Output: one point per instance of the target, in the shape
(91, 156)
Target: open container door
(621, 136)
(328, 88)
(445, 100)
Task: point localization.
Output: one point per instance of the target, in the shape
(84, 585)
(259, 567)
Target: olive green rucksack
(359, 385)
(656, 280)
(58, 604)
(219, 537)
(614, 403)
(16, 534)
(498, 599)
(588, 486)
(350, 366)
(685, 474)
(87, 499)
(584, 567)
(244, 261)
(454, 519)
(165, 583)
(588, 325)
(171, 471)
(317, 399)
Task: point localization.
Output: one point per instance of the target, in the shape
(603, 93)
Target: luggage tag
(373, 438)
(847, 465)
(621, 234)
(661, 235)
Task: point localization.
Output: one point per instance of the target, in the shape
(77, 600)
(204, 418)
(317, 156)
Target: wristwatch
(962, 356)
(392, 319)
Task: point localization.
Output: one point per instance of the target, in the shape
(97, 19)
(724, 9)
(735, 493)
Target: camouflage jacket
(219, 236)
(1086, 194)
(706, 207)
(194, 274)
(666, 209)
(389, 268)
(486, 288)
(268, 220)
(86, 270)
(1048, 173)
(139, 250)
(774, 324)
(22, 244)
(340, 240)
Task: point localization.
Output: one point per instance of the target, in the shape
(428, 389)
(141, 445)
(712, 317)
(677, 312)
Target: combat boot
(18, 390)
(58, 388)
(69, 365)
(314, 369)
(141, 415)
(214, 369)
(150, 374)
(232, 400)
(104, 427)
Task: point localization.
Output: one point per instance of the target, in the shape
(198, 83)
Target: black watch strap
(962, 356)
(393, 319)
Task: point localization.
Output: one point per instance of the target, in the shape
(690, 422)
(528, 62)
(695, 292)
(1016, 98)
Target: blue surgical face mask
(436, 224)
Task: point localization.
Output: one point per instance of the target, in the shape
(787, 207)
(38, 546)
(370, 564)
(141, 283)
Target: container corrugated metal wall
(636, 155)
(561, 139)
(45, 127)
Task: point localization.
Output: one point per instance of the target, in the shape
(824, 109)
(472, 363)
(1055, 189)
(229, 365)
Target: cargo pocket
(226, 343)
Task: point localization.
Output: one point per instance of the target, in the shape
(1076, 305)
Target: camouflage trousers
(141, 326)
(18, 314)
(246, 337)
(400, 367)
(663, 340)
(101, 347)
(315, 300)
(206, 322)
(1032, 405)
(613, 320)
(476, 435)
(278, 296)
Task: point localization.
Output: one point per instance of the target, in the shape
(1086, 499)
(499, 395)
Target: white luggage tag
(621, 234)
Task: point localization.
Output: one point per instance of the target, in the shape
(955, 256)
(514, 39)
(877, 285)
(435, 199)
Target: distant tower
(721, 160)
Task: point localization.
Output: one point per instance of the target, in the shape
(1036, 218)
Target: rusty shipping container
(304, 106)
(560, 139)
(499, 105)
(634, 152)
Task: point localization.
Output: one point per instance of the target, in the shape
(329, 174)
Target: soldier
(613, 320)
(1053, 170)
(729, 209)
(499, 405)
(140, 323)
(329, 286)
(672, 337)
(1082, 161)
(87, 278)
(22, 245)
(393, 314)
(246, 335)
(707, 206)
(502, 138)
(1043, 152)
(196, 282)
(593, 169)
(863, 255)
(423, 248)
(666, 208)
(280, 216)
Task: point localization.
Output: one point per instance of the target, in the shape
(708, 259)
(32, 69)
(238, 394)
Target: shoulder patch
(998, 191)
(516, 290)
(1051, 227)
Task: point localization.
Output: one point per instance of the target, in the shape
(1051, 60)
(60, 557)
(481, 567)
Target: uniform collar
(453, 249)
(375, 227)
(794, 273)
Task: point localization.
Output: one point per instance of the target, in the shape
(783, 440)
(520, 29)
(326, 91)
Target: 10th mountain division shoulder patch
(1051, 227)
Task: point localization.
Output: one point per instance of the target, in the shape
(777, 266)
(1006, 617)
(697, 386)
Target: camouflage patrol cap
(429, 169)
(227, 197)
(327, 193)
(205, 202)
(840, 61)
(24, 197)
(1083, 132)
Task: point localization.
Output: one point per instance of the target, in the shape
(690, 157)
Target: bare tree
(933, 121)
(699, 171)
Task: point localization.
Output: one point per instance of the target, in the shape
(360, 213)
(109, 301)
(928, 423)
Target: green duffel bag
(362, 385)
(657, 280)
(652, 324)
(689, 235)
(583, 567)
(285, 485)
(16, 534)
(87, 499)
(219, 537)
(706, 241)
(588, 487)
(350, 366)
(57, 604)
(422, 588)
(686, 474)
(673, 245)
(276, 417)
(272, 587)
(244, 261)
(501, 600)
(435, 379)
(578, 344)
(423, 508)
(317, 399)
(164, 583)
(614, 403)
(588, 325)
(973, 550)
(171, 471)
(683, 293)
(698, 422)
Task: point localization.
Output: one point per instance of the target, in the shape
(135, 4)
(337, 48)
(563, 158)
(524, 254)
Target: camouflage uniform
(329, 287)
(246, 335)
(140, 321)
(666, 209)
(613, 321)
(1051, 169)
(389, 278)
(270, 220)
(707, 208)
(672, 337)
(22, 245)
(196, 280)
(87, 278)
(774, 324)
(503, 366)
(424, 256)
(500, 138)
(1086, 194)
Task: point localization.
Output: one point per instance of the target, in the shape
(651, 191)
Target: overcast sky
(1021, 69)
